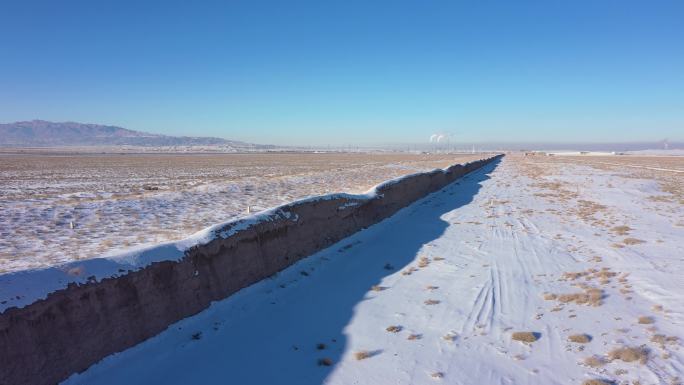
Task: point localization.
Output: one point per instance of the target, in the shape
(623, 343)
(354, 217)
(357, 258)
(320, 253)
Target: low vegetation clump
(621, 230)
(591, 297)
(646, 320)
(597, 382)
(325, 362)
(632, 241)
(662, 339)
(394, 329)
(378, 288)
(423, 262)
(431, 302)
(594, 361)
(413, 337)
(571, 276)
(580, 338)
(320, 346)
(629, 354)
(362, 355)
(602, 275)
(526, 337)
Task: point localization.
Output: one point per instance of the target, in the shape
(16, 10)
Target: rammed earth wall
(75, 327)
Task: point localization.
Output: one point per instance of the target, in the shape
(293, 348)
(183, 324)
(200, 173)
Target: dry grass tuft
(621, 230)
(595, 381)
(394, 329)
(580, 338)
(662, 339)
(378, 288)
(550, 296)
(438, 259)
(362, 355)
(646, 320)
(632, 241)
(591, 296)
(423, 262)
(629, 354)
(571, 276)
(75, 271)
(594, 361)
(526, 337)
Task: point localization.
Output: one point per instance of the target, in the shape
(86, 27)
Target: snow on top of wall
(22, 288)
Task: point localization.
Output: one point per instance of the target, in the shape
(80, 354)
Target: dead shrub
(629, 354)
(571, 276)
(526, 337)
(621, 230)
(662, 339)
(632, 241)
(594, 361)
(423, 262)
(550, 296)
(580, 338)
(591, 297)
(595, 381)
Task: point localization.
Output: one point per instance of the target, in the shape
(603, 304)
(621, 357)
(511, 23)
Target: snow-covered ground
(436, 294)
(56, 208)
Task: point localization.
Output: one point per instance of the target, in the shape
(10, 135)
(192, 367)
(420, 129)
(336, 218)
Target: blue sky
(353, 72)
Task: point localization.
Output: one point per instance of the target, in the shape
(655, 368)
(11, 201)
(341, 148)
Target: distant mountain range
(41, 133)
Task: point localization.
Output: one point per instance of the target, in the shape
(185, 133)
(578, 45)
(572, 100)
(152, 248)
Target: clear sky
(362, 72)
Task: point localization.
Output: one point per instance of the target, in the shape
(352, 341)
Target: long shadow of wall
(268, 334)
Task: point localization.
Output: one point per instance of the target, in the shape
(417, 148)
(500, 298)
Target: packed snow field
(535, 270)
(57, 208)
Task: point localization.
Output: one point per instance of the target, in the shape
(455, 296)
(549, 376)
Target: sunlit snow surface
(507, 235)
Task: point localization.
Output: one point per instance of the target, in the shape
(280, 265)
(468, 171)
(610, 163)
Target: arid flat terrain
(58, 207)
